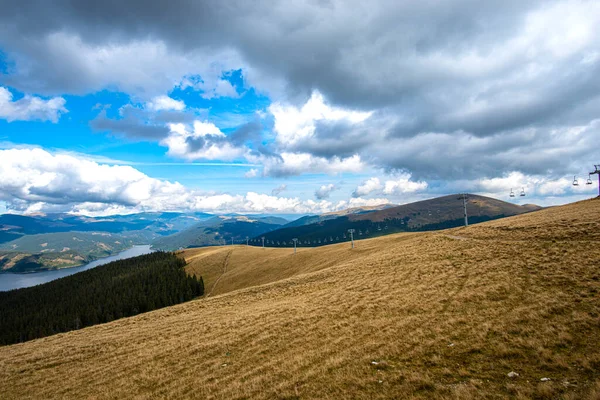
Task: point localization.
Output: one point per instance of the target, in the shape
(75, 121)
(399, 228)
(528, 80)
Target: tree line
(116, 290)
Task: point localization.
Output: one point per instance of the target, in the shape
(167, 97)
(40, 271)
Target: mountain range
(438, 213)
(36, 242)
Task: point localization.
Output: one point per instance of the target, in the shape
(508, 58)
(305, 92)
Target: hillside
(446, 208)
(111, 291)
(58, 250)
(218, 231)
(431, 315)
(434, 214)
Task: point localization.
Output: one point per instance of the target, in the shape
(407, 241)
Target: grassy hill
(434, 214)
(431, 315)
(217, 231)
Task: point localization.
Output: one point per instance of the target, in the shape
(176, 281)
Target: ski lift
(522, 192)
(575, 183)
(589, 180)
(512, 194)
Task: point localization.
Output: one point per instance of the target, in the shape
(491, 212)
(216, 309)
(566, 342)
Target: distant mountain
(218, 231)
(146, 225)
(359, 210)
(46, 251)
(439, 213)
(312, 219)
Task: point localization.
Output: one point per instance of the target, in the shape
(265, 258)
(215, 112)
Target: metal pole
(351, 236)
(263, 239)
(295, 240)
(465, 206)
(246, 241)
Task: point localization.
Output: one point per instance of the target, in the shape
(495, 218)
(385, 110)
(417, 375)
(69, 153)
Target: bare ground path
(225, 263)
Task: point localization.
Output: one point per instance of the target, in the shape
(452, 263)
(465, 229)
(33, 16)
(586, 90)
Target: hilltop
(433, 214)
(445, 314)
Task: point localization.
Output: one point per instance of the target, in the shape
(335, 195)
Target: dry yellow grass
(432, 315)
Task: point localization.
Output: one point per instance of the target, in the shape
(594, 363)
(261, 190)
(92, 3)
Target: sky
(294, 107)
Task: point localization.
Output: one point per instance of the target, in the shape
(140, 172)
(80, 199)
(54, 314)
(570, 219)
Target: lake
(10, 281)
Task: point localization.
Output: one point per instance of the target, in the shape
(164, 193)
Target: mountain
(313, 219)
(45, 251)
(359, 210)
(439, 213)
(148, 225)
(431, 315)
(218, 231)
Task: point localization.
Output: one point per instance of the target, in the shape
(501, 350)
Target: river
(9, 281)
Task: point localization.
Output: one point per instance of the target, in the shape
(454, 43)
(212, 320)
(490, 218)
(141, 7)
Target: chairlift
(522, 192)
(575, 183)
(589, 180)
(512, 194)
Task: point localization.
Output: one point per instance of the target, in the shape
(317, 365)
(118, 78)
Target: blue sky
(290, 109)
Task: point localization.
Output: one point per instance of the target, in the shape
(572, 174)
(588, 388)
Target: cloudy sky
(294, 107)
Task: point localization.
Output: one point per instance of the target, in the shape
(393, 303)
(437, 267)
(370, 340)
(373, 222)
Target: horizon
(301, 109)
(263, 214)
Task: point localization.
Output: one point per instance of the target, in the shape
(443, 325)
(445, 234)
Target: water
(10, 281)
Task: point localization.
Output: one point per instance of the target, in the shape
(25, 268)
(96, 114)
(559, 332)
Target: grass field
(444, 314)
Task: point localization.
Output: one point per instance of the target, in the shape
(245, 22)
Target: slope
(429, 315)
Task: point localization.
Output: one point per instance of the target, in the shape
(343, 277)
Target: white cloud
(36, 180)
(30, 108)
(293, 124)
(367, 187)
(160, 103)
(360, 202)
(324, 191)
(252, 173)
(403, 184)
(201, 141)
(289, 164)
(536, 186)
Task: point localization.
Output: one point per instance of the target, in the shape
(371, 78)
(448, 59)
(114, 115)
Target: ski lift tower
(352, 236)
(463, 196)
(295, 241)
(597, 172)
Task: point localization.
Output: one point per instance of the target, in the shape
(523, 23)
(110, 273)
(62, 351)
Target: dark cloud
(195, 143)
(130, 127)
(139, 123)
(459, 89)
(249, 132)
(277, 191)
